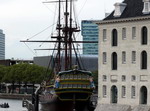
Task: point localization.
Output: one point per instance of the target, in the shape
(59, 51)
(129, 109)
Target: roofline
(122, 20)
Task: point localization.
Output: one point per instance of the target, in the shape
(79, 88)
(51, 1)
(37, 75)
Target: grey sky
(21, 19)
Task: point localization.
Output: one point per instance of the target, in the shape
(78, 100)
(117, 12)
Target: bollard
(36, 102)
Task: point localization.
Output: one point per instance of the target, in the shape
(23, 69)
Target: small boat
(4, 105)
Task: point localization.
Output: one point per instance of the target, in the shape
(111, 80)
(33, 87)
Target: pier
(28, 104)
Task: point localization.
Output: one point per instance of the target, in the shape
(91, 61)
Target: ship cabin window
(79, 76)
(74, 85)
(75, 76)
(62, 77)
(79, 85)
(71, 76)
(84, 76)
(69, 85)
(88, 77)
(84, 86)
(67, 76)
(65, 85)
(61, 86)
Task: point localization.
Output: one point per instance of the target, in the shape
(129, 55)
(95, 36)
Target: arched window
(114, 61)
(114, 37)
(114, 94)
(143, 95)
(144, 60)
(144, 36)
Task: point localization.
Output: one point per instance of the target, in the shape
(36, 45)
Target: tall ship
(70, 87)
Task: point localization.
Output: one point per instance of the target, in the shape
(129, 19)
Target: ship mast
(64, 36)
(68, 31)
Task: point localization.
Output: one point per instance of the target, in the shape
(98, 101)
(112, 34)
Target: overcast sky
(22, 19)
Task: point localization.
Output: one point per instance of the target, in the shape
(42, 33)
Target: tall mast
(66, 36)
(59, 37)
(70, 36)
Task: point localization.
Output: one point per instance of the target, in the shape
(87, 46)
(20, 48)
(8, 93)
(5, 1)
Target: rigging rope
(78, 54)
(50, 62)
(30, 49)
(41, 31)
(82, 7)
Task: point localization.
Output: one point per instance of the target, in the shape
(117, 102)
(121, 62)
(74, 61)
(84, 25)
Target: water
(15, 105)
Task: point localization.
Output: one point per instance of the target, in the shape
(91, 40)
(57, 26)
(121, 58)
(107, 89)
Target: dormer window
(146, 9)
(119, 8)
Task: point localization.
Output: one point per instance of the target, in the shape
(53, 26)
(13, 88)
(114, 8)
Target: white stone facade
(131, 80)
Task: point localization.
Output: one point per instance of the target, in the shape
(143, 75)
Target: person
(92, 85)
(57, 82)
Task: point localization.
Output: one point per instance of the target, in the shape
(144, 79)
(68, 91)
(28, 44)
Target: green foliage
(22, 72)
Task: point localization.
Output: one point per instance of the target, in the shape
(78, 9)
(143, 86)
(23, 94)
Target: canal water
(15, 105)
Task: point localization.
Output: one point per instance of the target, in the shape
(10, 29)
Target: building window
(104, 91)
(123, 57)
(123, 91)
(104, 78)
(144, 60)
(146, 7)
(104, 57)
(114, 37)
(133, 92)
(123, 33)
(104, 35)
(133, 57)
(114, 61)
(123, 78)
(133, 78)
(144, 36)
(133, 32)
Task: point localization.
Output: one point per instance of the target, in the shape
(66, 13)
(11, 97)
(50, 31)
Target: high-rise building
(89, 32)
(2, 45)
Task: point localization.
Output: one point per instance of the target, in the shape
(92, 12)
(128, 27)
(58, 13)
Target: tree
(23, 73)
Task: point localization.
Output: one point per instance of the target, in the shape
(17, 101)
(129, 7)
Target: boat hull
(74, 94)
(67, 106)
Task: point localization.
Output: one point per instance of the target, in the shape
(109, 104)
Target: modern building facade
(87, 62)
(89, 32)
(2, 45)
(124, 55)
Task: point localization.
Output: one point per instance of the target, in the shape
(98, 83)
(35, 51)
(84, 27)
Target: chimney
(119, 8)
(146, 9)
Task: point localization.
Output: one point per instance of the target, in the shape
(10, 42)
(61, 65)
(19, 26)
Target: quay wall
(15, 96)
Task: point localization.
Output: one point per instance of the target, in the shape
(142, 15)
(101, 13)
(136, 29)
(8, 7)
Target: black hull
(67, 106)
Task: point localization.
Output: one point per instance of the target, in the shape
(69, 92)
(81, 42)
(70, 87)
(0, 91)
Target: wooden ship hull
(67, 106)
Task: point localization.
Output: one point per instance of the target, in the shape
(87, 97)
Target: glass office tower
(89, 31)
(2, 45)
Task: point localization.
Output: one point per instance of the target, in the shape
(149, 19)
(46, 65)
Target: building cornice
(122, 20)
